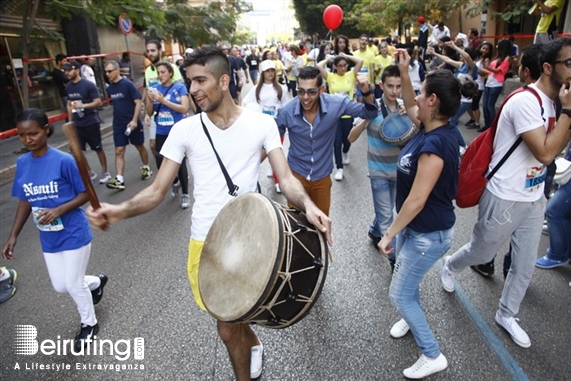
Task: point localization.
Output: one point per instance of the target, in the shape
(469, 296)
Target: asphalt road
(345, 336)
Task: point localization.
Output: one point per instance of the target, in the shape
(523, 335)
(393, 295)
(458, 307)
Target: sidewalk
(11, 148)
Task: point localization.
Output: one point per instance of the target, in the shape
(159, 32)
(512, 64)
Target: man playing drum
(240, 137)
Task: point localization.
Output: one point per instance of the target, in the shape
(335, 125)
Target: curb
(7, 174)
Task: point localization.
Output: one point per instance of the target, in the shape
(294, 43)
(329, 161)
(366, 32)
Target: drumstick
(71, 136)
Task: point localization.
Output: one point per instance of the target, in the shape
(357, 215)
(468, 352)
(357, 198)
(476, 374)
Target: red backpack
(472, 178)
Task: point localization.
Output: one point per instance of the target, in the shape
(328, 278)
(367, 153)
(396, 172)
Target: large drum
(261, 263)
(397, 129)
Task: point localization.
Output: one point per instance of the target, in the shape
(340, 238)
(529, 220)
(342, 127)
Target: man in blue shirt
(83, 100)
(311, 120)
(127, 127)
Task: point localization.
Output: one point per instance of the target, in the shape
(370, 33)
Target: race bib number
(534, 177)
(165, 118)
(270, 110)
(54, 226)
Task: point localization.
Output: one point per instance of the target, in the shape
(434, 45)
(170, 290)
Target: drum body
(397, 129)
(261, 263)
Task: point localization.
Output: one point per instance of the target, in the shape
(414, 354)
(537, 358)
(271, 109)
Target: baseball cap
(421, 20)
(72, 65)
(267, 64)
(188, 50)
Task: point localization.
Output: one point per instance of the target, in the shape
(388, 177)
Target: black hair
(530, 57)
(447, 88)
(60, 57)
(504, 50)
(390, 71)
(474, 31)
(167, 65)
(472, 52)
(321, 55)
(125, 55)
(338, 59)
(157, 43)
(212, 56)
(310, 72)
(336, 46)
(552, 49)
(37, 116)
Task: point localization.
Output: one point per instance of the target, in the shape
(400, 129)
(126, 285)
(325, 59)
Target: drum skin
(397, 129)
(260, 264)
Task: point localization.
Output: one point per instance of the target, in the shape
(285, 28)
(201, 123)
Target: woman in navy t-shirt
(49, 187)
(427, 179)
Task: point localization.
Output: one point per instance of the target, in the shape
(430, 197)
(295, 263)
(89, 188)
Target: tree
(309, 14)
(194, 26)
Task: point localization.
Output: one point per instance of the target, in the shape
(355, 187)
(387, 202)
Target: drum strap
(232, 188)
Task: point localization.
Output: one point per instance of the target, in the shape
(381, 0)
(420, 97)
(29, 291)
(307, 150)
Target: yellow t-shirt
(383, 62)
(342, 85)
(373, 49)
(391, 50)
(546, 19)
(368, 60)
(279, 67)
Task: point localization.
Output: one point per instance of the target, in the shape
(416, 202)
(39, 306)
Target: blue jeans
(384, 194)
(416, 254)
(341, 143)
(491, 95)
(464, 106)
(559, 224)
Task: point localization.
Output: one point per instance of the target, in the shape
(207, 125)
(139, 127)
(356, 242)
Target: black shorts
(136, 137)
(91, 135)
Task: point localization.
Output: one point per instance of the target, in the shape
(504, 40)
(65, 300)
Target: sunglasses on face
(310, 92)
(109, 71)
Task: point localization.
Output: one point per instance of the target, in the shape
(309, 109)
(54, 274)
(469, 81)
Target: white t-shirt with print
(239, 147)
(269, 102)
(522, 177)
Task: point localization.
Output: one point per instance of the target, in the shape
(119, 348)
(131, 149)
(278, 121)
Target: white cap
(267, 64)
(464, 38)
(188, 50)
(176, 58)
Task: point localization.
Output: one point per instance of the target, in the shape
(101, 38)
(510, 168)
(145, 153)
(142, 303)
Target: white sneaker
(446, 276)
(278, 189)
(512, 327)
(345, 157)
(256, 361)
(339, 174)
(270, 173)
(92, 175)
(185, 201)
(425, 366)
(105, 178)
(400, 329)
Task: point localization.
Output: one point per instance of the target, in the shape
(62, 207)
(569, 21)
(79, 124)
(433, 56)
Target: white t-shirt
(522, 177)
(269, 102)
(87, 73)
(239, 147)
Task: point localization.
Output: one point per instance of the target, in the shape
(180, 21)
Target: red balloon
(333, 16)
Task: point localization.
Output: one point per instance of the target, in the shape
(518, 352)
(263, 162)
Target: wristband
(366, 94)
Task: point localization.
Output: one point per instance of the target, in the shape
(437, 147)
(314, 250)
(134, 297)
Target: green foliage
(309, 14)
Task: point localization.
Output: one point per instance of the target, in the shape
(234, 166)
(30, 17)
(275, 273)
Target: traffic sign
(125, 23)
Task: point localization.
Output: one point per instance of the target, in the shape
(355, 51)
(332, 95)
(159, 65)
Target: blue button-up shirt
(311, 145)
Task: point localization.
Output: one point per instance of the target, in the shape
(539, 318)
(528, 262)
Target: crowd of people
(324, 96)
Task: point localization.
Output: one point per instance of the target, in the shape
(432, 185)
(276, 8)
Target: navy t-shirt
(438, 212)
(86, 92)
(123, 94)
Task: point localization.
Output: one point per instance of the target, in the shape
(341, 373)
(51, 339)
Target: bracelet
(367, 93)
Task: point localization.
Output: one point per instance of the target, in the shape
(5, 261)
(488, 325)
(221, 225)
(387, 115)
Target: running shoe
(146, 172)
(185, 202)
(485, 269)
(547, 263)
(105, 178)
(256, 361)
(92, 175)
(86, 332)
(97, 294)
(175, 188)
(116, 184)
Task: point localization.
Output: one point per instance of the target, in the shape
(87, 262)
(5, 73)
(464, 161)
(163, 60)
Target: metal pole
(14, 72)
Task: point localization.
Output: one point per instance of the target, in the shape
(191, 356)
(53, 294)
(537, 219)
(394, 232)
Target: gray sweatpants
(499, 220)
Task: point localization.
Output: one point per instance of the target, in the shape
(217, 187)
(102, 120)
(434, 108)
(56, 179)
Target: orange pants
(319, 192)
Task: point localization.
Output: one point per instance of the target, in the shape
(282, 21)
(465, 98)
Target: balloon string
(329, 34)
